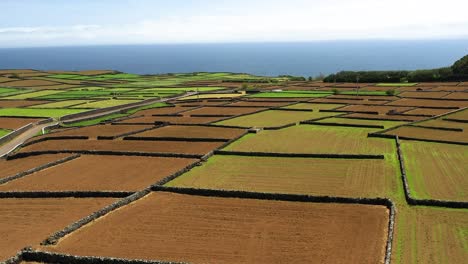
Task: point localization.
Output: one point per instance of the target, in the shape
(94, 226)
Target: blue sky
(90, 22)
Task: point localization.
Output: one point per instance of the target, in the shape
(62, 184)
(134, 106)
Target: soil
(192, 132)
(200, 148)
(171, 119)
(27, 222)
(429, 103)
(424, 94)
(386, 117)
(381, 109)
(28, 83)
(14, 123)
(345, 101)
(100, 173)
(100, 130)
(265, 103)
(196, 229)
(19, 103)
(15, 166)
(223, 111)
(428, 111)
(431, 134)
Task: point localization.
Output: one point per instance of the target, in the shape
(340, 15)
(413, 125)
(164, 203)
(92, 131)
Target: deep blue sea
(301, 59)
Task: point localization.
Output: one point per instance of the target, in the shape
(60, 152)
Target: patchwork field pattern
(233, 174)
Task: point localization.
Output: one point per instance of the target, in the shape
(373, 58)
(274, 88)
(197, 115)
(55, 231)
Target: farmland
(183, 228)
(337, 177)
(433, 170)
(252, 169)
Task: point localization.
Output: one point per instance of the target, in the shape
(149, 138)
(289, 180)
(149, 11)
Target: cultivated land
(163, 142)
(28, 221)
(316, 140)
(100, 173)
(200, 229)
(274, 118)
(434, 170)
(337, 177)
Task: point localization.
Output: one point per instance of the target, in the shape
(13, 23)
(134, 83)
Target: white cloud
(296, 20)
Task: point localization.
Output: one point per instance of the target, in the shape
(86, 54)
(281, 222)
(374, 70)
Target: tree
(461, 66)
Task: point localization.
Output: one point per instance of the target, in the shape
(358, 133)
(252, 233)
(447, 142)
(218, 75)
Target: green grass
(386, 124)
(34, 94)
(31, 112)
(105, 103)
(3, 132)
(395, 84)
(60, 104)
(8, 91)
(183, 89)
(75, 95)
(68, 76)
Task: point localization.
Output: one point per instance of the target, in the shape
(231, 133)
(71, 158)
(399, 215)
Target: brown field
(202, 102)
(343, 120)
(345, 101)
(32, 74)
(19, 103)
(385, 117)
(437, 84)
(6, 79)
(431, 235)
(16, 71)
(429, 103)
(431, 134)
(200, 148)
(314, 176)
(171, 119)
(100, 173)
(15, 123)
(161, 111)
(27, 222)
(364, 97)
(196, 229)
(28, 83)
(428, 111)
(457, 95)
(15, 166)
(99, 130)
(424, 94)
(450, 88)
(264, 103)
(316, 139)
(273, 118)
(381, 109)
(415, 88)
(62, 81)
(435, 170)
(233, 111)
(192, 132)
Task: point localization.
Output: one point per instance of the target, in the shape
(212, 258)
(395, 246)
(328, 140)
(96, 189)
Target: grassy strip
(4, 132)
(395, 84)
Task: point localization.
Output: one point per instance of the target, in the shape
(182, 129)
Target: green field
(32, 112)
(105, 103)
(385, 123)
(287, 95)
(273, 118)
(34, 94)
(10, 91)
(61, 104)
(4, 132)
(76, 95)
(312, 106)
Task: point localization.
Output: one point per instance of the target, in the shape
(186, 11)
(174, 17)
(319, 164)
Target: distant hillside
(457, 72)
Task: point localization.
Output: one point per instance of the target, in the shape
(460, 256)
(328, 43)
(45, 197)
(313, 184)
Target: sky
(36, 23)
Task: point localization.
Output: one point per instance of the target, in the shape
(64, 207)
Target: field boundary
(53, 239)
(294, 198)
(187, 139)
(427, 202)
(340, 124)
(15, 133)
(128, 133)
(65, 194)
(107, 152)
(47, 138)
(36, 169)
(298, 155)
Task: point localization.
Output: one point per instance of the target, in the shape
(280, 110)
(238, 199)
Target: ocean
(270, 59)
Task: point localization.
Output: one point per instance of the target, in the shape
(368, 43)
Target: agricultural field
(209, 189)
(199, 229)
(315, 140)
(100, 173)
(274, 118)
(27, 221)
(314, 176)
(434, 172)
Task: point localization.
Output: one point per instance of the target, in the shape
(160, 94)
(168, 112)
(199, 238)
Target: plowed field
(171, 119)
(100, 173)
(222, 111)
(192, 132)
(27, 222)
(15, 166)
(15, 123)
(19, 103)
(200, 229)
(430, 134)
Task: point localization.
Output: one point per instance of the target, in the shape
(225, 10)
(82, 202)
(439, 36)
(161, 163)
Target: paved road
(12, 144)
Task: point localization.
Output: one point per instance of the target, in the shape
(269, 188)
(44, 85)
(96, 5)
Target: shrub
(390, 92)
